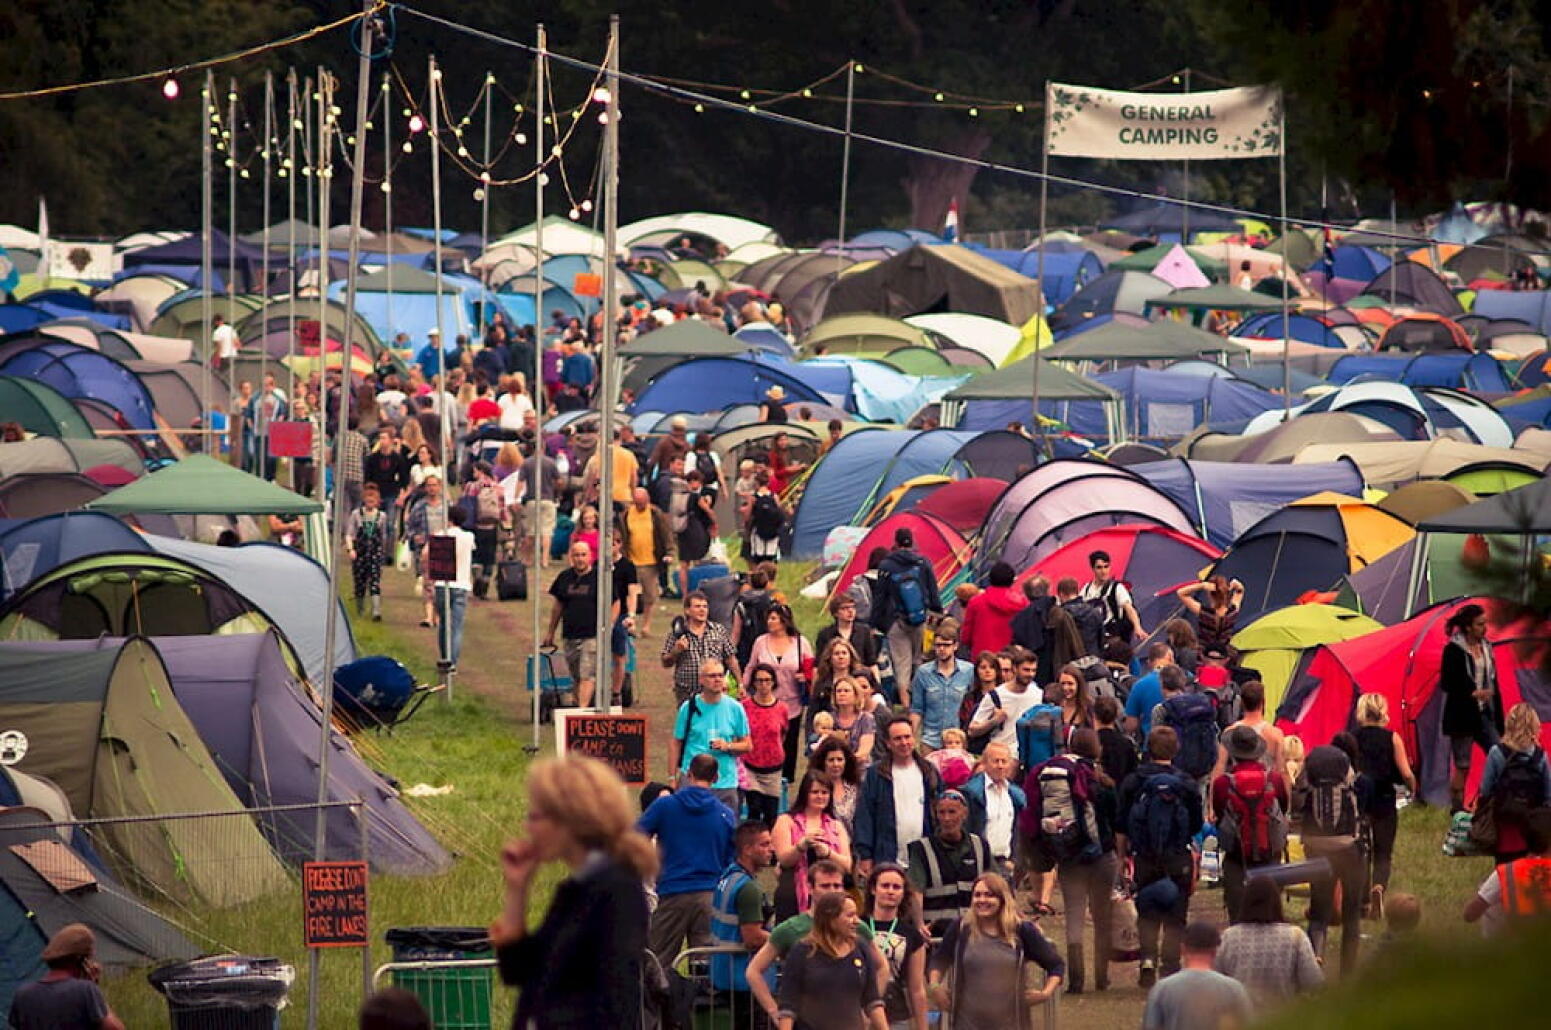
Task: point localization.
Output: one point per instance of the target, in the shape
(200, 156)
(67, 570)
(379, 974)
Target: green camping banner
(1243, 122)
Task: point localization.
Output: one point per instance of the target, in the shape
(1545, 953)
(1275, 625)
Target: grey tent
(932, 278)
(688, 338)
(1115, 341)
(263, 729)
(991, 400)
(1524, 513)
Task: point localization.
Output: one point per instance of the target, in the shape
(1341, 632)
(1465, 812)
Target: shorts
(1462, 750)
(581, 657)
(1040, 856)
(651, 589)
(619, 640)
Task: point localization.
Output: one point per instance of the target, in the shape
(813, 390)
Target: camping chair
(555, 690)
(377, 692)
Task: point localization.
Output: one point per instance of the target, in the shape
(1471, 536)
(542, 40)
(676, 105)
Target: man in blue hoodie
(694, 835)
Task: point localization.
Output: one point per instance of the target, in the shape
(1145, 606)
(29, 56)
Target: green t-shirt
(799, 926)
(749, 904)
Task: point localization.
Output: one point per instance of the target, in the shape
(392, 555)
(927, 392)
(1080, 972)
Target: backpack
(1159, 823)
(1252, 824)
(1328, 801)
(1194, 718)
(1089, 619)
(1225, 699)
(1115, 622)
(860, 590)
(766, 517)
(976, 745)
(1067, 823)
(488, 504)
(753, 608)
(1039, 734)
(909, 595)
(1521, 787)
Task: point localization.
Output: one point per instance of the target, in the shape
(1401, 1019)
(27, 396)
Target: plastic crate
(455, 998)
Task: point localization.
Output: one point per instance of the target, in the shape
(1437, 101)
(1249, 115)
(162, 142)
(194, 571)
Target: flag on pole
(1328, 253)
(43, 259)
(950, 228)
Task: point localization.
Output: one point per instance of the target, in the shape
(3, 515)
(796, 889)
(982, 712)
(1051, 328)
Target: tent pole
(1039, 277)
(606, 376)
(1281, 165)
(443, 407)
(845, 169)
(261, 438)
(233, 419)
(1418, 564)
(206, 261)
(536, 383)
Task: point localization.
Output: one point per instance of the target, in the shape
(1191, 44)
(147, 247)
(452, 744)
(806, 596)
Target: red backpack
(1252, 824)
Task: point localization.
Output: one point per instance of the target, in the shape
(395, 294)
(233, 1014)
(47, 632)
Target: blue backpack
(1039, 734)
(1159, 823)
(910, 596)
(1194, 718)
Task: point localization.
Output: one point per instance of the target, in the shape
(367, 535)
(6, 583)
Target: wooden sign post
(334, 903)
(619, 740)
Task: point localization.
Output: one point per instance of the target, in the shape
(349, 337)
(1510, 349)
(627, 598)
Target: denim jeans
(451, 603)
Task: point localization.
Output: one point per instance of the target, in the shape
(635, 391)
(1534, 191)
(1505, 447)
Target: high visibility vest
(941, 898)
(1526, 887)
(729, 972)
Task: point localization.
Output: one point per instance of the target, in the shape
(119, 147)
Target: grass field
(475, 743)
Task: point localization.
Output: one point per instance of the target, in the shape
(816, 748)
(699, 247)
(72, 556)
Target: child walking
(365, 533)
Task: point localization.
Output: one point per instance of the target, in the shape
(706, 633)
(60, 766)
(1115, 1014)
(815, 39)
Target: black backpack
(1521, 787)
(766, 516)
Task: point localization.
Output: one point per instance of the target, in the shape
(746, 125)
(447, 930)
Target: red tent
(1402, 663)
(963, 504)
(937, 541)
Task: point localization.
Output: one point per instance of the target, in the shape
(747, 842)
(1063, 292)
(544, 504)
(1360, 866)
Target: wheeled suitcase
(511, 581)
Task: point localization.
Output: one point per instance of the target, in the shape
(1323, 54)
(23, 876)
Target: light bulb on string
(586, 205)
(408, 147)
(407, 112)
(575, 214)
(416, 123)
(543, 178)
(386, 187)
(601, 95)
(463, 151)
(170, 88)
(243, 173)
(520, 138)
(603, 117)
(974, 112)
(479, 196)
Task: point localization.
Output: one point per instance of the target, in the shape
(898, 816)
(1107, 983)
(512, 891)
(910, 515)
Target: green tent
(41, 409)
(1273, 643)
(1220, 297)
(201, 485)
(105, 726)
(689, 337)
(1016, 382)
(1299, 247)
(920, 361)
(863, 334)
(1156, 341)
(1147, 259)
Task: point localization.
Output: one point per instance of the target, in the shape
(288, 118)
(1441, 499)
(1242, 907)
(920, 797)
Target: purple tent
(1226, 498)
(262, 728)
(187, 253)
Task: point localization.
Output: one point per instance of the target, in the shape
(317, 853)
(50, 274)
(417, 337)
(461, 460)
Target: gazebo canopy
(201, 485)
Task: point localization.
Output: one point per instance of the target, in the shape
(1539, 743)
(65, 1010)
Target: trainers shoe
(1147, 976)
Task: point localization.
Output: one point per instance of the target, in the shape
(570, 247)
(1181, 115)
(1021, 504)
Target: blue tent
(188, 253)
(15, 318)
(191, 275)
(1350, 261)
(78, 372)
(892, 239)
(31, 547)
(1458, 227)
(1068, 267)
(1225, 498)
(880, 393)
(1268, 326)
(710, 384)
(411, 305)
(1111, 293)
(1480, 373)
(1164, 405)
(1531, 306)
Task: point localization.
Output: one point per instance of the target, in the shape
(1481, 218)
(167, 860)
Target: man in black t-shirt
(575, 612)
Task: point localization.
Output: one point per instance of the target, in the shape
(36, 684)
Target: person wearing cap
(943, 867)
(67, 998)
(773, 410)
(431, 356)
(674, 445)
(1242, 788)
(1198, 996)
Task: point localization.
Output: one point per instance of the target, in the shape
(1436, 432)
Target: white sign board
(1243, 122)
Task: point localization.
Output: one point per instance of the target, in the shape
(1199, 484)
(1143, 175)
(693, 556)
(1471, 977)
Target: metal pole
(1281, 164)
(206, 262)
(845, 169)
(261, 438)
(324, 174)
(484, 207)
(443, 402)
(387, 198)
(336, 524)
(233, 418)
(1184, 236)
(606, 376)
(1039, 268)
(536, 383)
(1394, 248)
(363, 816)
(290, 253)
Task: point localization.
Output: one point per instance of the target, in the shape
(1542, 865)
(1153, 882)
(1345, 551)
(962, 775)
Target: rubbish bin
(224, 992)
(456, 995)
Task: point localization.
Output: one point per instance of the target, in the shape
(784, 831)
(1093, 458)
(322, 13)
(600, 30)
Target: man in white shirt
(223, 343)
(995, 801)
(452, 596)
(515, 403)
(1001, 709)
(893, 808)
(1120, 618)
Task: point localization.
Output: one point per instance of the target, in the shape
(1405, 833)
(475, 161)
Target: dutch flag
(950, 226)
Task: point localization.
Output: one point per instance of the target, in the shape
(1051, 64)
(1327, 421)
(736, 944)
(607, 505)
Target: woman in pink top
(587, 529)
(809, 833)
(783, 649)
(767, 732)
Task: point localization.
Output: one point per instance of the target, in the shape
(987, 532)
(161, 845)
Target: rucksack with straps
(1067, 823)
(860, 590)
(1039, 734)
(1115, 622)
(766, 516)
(488, 504)
(909, 596)
(977, 745)
(1521, 787)
(1328, 802)
(752, 609)
(1158, 827)
(1251, 824)
(1194, 718)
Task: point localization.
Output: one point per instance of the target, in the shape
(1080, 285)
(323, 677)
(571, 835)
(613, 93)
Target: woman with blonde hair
(1381, 756)
(581, 968)
(858, 725)
(985, 953)
(508, 461)
(411, 436)
(829, 981)
(1516, 781)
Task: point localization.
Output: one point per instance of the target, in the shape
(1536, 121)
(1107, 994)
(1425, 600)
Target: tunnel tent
(1413, 285)
(53, 454)
(689, 337)
(998, 454)
(31, 494)
(933, 277)
(105, 725)
(1166, 340)
(861, 334)
(31, 547)
(1225, 499)
(41, 409)
(80, 373)
(993, 399)
(1112, 293)
(711, 384)
(835, 491)
(990, 337)
(1273, 644)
